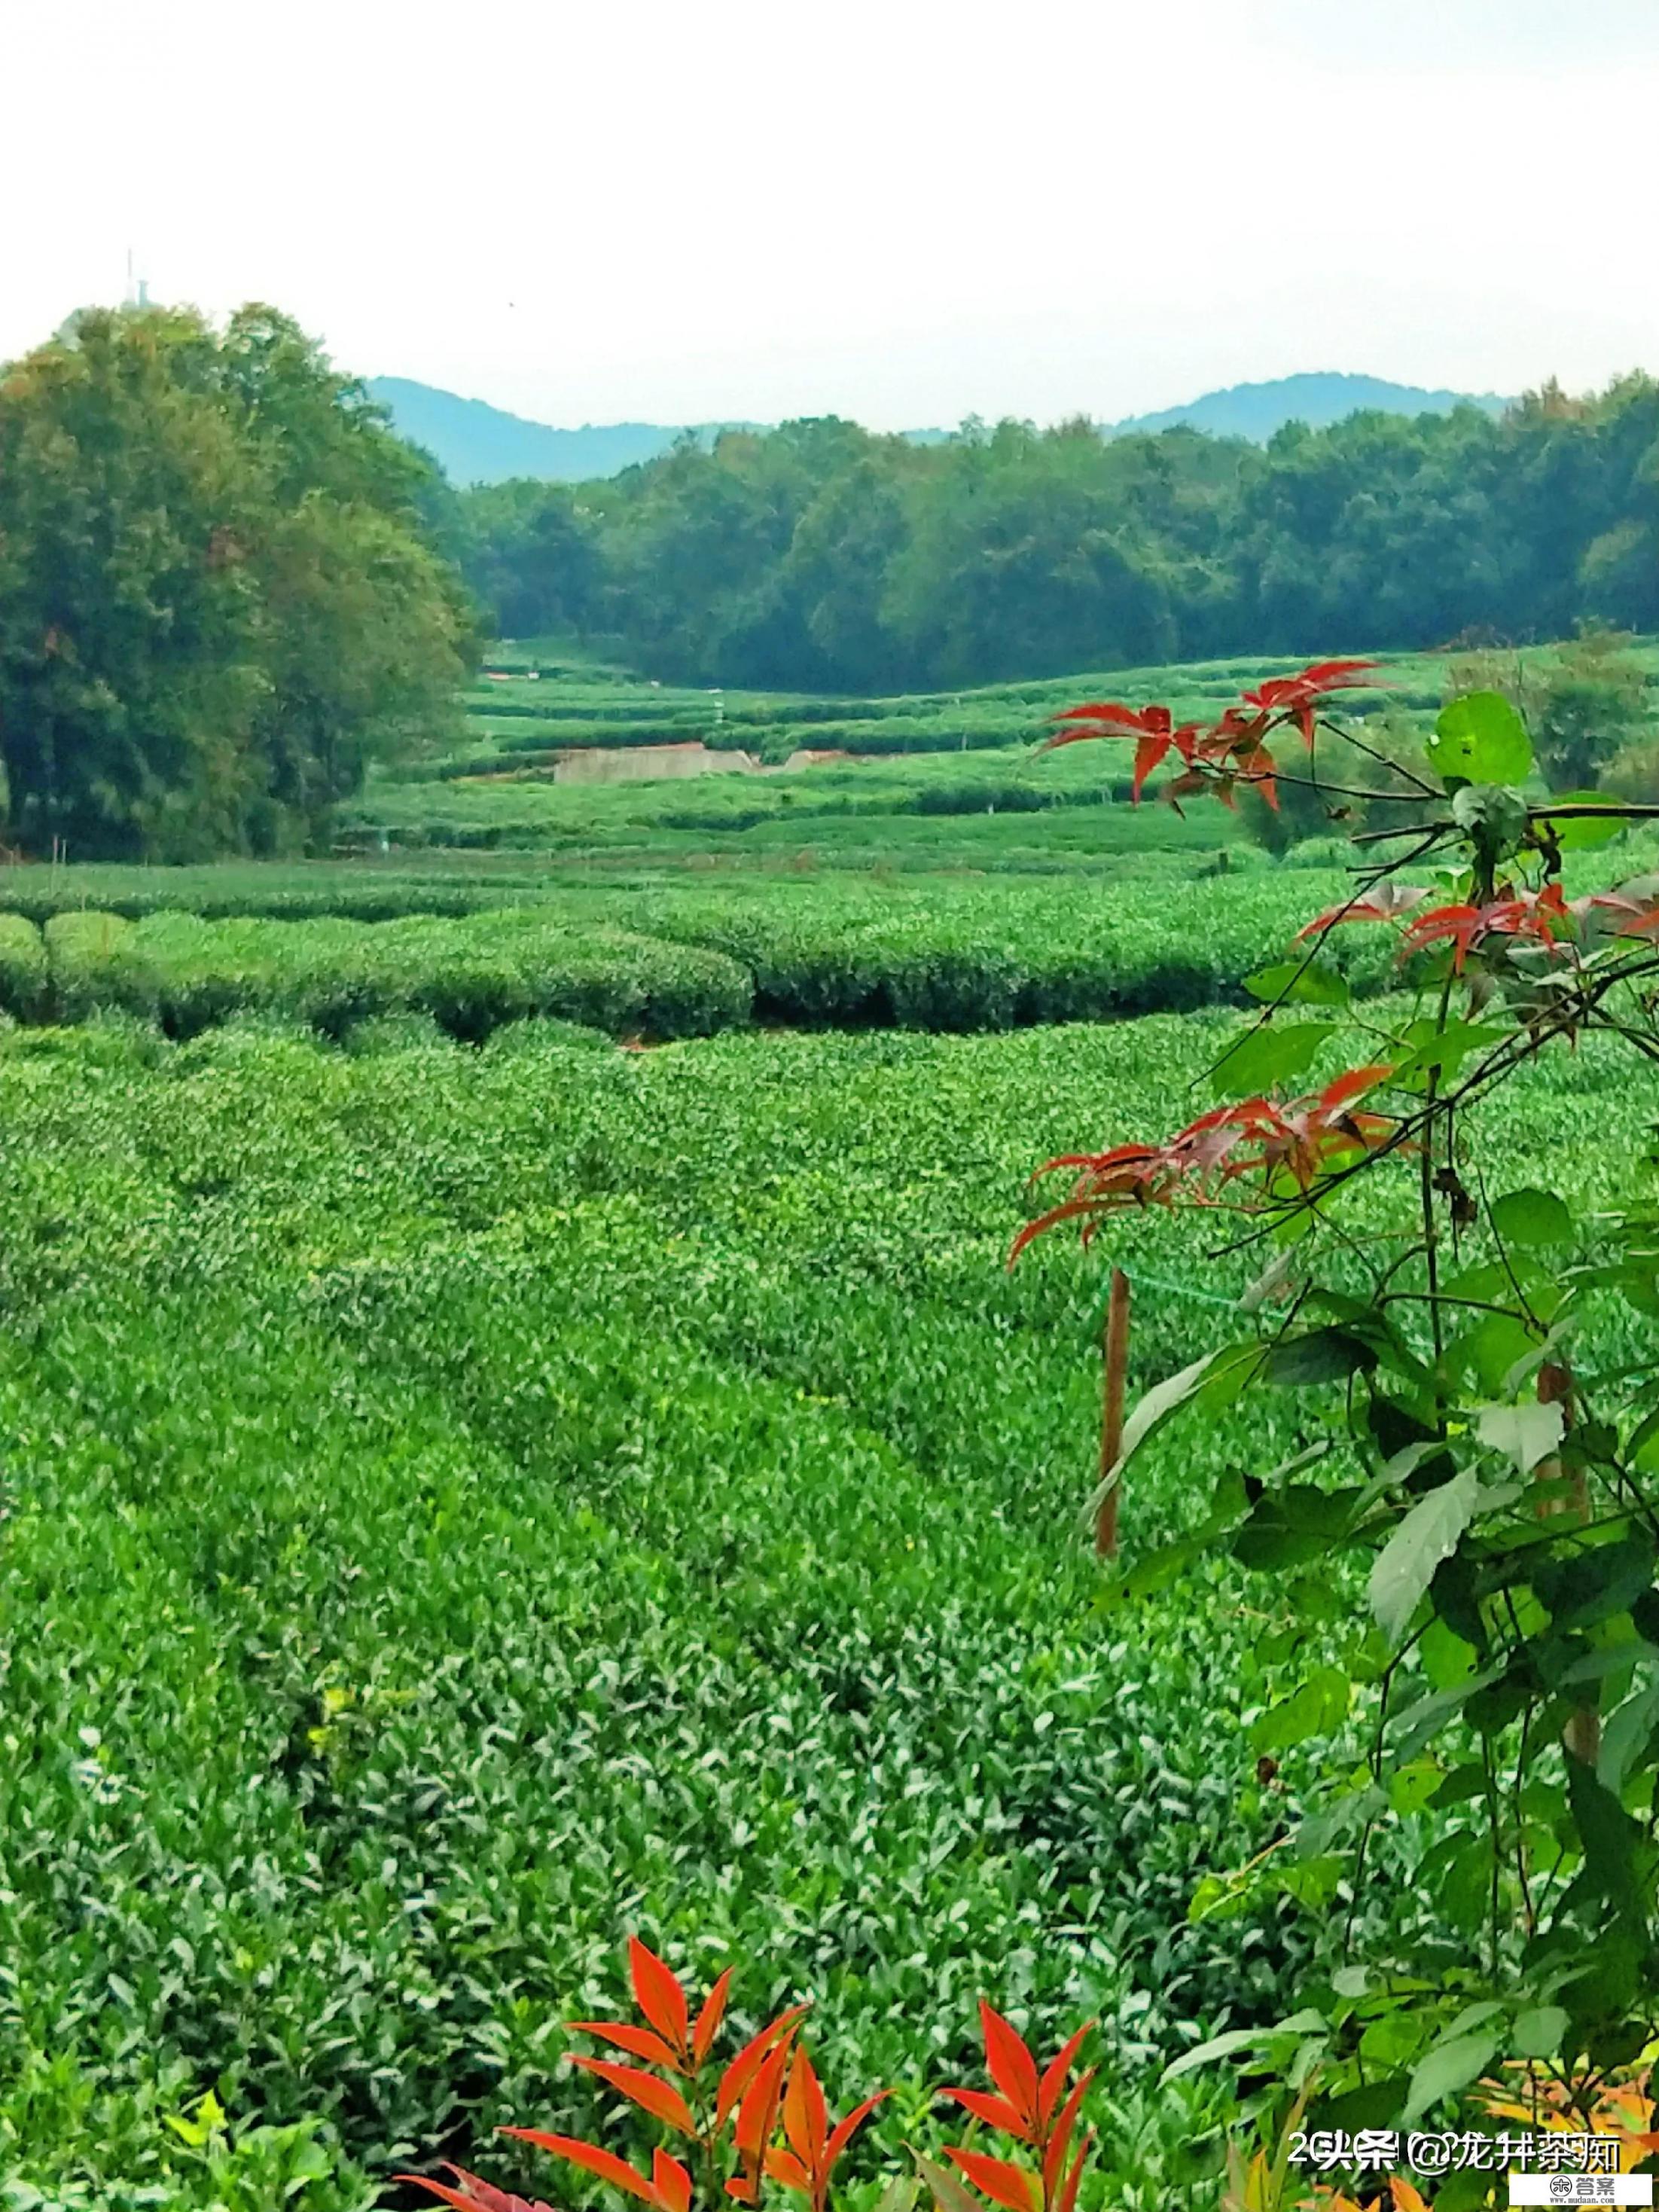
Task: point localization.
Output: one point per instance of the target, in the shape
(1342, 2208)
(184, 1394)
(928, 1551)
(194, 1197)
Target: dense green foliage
(820, 556)
(218, 602)
(675, 960)
(463, 1505)
(474, 1492)
(470, 974)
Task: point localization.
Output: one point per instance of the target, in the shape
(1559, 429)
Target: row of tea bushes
(469, 976)
(975, 956)
(672, 964)
(363, 890)
(669, 961)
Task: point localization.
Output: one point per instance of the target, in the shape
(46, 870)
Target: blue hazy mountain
(1315, 398)
(475, 443)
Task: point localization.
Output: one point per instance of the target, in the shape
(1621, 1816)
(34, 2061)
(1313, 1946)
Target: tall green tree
(817, 556)
(218, 597)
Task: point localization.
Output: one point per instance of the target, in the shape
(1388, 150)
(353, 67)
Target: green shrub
(24, 972)
(92, 964)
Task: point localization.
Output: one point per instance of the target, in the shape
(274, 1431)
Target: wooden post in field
(1111, 1427)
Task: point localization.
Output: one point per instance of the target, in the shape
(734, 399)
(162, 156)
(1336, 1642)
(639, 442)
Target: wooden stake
(1111, 1427)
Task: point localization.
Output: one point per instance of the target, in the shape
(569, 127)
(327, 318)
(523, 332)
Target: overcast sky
(894, 210)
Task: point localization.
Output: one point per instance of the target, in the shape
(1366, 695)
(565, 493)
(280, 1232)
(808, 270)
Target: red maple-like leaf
(1295, 699)
(1541, 917)
(1152, 727)
(667, 2190)
(1640, 915)
(1304, 1138)
(1387, 903)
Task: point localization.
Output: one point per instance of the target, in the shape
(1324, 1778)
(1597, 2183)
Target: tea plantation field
(464, 1504)
(470, 1492)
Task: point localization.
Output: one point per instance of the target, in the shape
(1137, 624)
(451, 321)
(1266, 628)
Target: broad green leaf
(1461, 1785)
(1538, 2033)
(1419, 1723)
(1324, 1355)
(1643, 1447)
(1318, 1707)
(1448, 1658)
(1491, 1349)
(1156, 1571)
(1525, 1433)
(1411, 1786)
(1598, 1584)
(1532, 1218)
(1154, 1409)
(1405, 1566)
(1612, 1839)
(1480, 739)
(1432, 1048)
(1494, 816)
(1312, 1882)
(1626, 1735)
(1580, 832)
(1309, 983)
(1447, 2070)
(1267, 1057)
(1204, 2054)
(1288, 1527)
(1231, 1372)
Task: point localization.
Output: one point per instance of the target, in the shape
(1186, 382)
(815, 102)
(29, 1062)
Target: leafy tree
(1459, 1438)
(817, 555)
(1587, 709)
(217, 599)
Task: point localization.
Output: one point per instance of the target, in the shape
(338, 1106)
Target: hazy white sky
(897, 209)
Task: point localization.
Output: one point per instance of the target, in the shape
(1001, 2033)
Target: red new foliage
(751, 2086)
(1152, 727)
(668, 2189)
(1296, 698)
(1535, 915)
(1387, 903)
(1303, 1138)
(1641, 915)
(814, 2146)
(1034, 2109)
(470, 2195)
(1230, 751)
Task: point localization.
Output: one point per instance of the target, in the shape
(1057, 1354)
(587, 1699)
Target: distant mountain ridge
(475, 443)
(1317, 397)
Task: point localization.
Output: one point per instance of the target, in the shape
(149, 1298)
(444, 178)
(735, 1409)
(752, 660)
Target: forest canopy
(219, 595)
(819, 557)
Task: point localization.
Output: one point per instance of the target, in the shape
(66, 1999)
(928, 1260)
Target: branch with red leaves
(1039, 2111)
(1299, 1141)
(1233, 749)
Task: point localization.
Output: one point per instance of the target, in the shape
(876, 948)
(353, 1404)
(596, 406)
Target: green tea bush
(469, 976)
(25, 974)
(91, 964)
(385, 1033)
(461, 1506)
